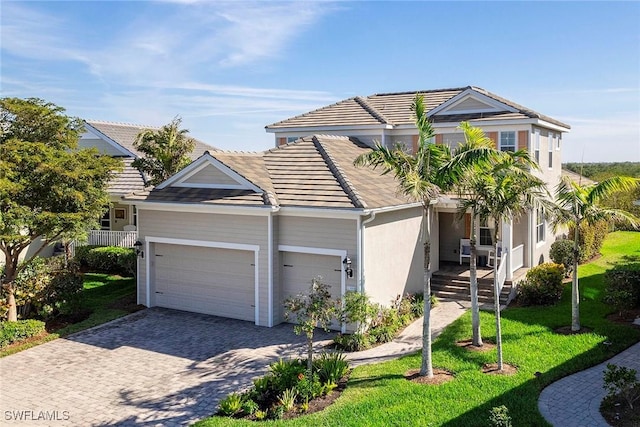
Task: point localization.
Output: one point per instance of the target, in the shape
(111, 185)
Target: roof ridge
(413, 92)
(371, 110)
(107, 122)
(340, 175)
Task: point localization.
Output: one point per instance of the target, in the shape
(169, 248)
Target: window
(291, 139)
(508, 141)
(551, 144)
(135, 215)
(486, 233)
(105, 221)
(540, 225)
(536, 147)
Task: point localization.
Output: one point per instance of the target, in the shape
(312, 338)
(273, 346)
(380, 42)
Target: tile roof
(395, 109)
(127, 181)
(314, 171)
(125, 134)
(577, 178)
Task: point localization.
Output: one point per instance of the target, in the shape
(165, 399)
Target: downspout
(361, 227)
(270, 265)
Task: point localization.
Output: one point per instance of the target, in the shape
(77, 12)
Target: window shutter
(467, 226)
(282, 141)
(523, 140)
(415, 139)
(494, 137)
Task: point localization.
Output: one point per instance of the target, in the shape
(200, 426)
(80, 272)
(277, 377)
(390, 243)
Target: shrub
(288, 399)
(353, 342)
(82, 254)
(11, 332)
(590, 238)
(230, 405)
(331, 367)
(499, 417)
(622, 287)
(249, 406)
(619, 380)
(46, 288)
(359, 310)
(542, 286)
(562, 253)
(285, 374)
(309, 386)
(107, 259)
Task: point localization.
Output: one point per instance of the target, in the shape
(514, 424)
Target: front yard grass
(105, 298)
(379, 395)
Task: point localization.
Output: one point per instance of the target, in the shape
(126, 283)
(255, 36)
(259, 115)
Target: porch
(125, 239)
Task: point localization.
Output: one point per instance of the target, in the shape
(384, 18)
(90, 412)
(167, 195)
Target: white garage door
(299, 268)
(205, 280)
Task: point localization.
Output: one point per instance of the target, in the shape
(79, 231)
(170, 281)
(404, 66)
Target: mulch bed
(566, 330)
(440, 376)
(468, 345)
(617, 413)
(492, 369)
(626, 318)
(62, 321)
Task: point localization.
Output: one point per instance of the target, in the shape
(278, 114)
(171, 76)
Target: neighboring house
(234, 234)
(387, 119)
(116, 140)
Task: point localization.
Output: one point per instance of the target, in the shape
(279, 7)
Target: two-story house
(387, 119)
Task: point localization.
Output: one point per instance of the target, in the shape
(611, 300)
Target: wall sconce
(138, 246)
(347, 266)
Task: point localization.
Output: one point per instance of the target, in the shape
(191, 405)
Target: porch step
(454, 288)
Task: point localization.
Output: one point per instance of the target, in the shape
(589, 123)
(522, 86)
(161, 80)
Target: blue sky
(230, 68)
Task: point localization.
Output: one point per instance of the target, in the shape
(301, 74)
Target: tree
(582, 203)
(48, 187)
(311, 310)
(422, 177)
(166, 151)
(505, 191)
(471, 192)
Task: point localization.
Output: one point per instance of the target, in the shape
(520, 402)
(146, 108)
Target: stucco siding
(451, 231)
(234, 229)
(393, 255)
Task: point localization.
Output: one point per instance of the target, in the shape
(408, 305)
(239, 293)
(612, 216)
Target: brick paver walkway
(158, 367)
(574, 401)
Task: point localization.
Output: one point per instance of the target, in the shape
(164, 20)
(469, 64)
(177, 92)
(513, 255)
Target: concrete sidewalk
(410, 340)
(574, 401)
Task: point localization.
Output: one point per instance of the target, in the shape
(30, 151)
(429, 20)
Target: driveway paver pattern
(154, 367)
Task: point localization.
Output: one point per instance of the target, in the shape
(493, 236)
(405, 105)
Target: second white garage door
(298, 269)
(205, 280)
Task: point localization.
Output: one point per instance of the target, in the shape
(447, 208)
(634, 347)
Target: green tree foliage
(578, 204)
(49, 188)
(166, 151)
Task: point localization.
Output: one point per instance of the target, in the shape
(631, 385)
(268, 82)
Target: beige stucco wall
(451, 231)
(240, 229)
(393, 255)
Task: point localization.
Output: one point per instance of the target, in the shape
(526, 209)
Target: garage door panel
(205, 280)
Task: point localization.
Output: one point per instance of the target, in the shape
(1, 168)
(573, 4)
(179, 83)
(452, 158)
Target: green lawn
(378, 395)
(104, 296)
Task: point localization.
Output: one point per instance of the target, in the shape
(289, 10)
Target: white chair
(465, 250)
(491, 258)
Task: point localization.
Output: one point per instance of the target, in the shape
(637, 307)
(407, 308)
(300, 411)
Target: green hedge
(107, 259)
(590, 238)
(542, 285)
(11, 332)
(622, 287)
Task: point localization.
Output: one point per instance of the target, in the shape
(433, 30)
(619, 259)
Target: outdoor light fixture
(347, 266)
(138, 246)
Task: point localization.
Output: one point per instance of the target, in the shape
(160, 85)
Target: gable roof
(315, 171)
(124, 134)
(394, 109)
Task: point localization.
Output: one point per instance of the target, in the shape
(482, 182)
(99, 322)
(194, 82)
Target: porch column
(507, 245)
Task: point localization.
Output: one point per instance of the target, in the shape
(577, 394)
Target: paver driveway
(155, 367)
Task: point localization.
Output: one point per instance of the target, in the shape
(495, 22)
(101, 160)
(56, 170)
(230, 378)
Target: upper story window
(536, 146)
(558, 143)
(292, 139)
(552, 142)
(508, 141)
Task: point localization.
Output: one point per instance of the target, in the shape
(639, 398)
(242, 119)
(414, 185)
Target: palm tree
(577, 204)
(422, 177)
(470, 192)
(505, 191)
(166, 151)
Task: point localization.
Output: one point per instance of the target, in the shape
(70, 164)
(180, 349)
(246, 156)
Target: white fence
(125, 239)
(517, 257)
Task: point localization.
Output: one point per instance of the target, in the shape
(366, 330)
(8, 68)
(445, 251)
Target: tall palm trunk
(426, 369)
(575, 292)
(496, 305)
(476, 337)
